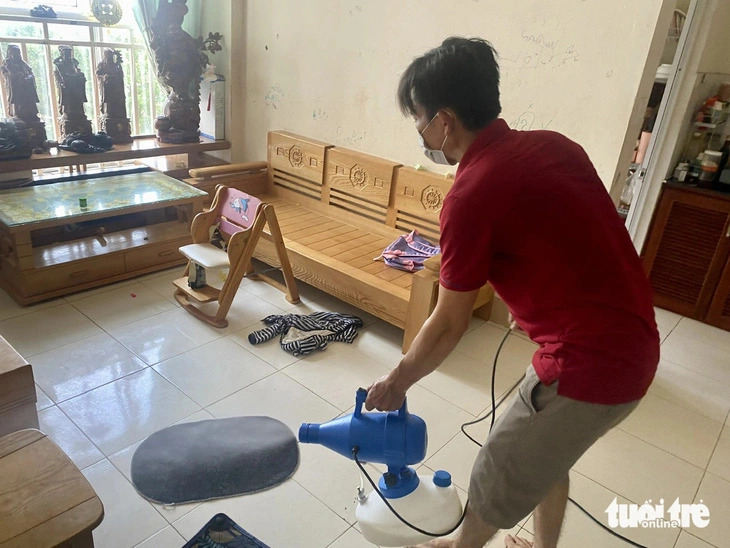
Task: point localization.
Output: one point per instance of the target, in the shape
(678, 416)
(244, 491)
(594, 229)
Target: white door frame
(669, 126)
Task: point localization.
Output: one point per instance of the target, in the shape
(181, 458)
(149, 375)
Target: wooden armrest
(433, 263)
(200, 224)
(227, 169)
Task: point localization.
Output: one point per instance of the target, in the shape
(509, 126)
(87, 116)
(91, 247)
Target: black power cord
(396, 514)
(492, 414)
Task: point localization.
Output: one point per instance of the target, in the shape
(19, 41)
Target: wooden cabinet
(719, 313)
(687, 253)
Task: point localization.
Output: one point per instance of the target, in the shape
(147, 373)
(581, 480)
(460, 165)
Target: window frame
(95, 46)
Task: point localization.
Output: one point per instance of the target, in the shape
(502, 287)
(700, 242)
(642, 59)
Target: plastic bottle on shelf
(710, 165)
(627, 195)
(696, 145)
(681, 171)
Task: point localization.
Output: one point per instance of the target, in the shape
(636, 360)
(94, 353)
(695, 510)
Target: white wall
(329, 70)
(716, 57)
(215, 17)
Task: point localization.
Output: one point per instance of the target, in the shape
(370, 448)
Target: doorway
(695, 73)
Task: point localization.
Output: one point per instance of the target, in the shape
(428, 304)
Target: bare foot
(436, 543)
(516, 542)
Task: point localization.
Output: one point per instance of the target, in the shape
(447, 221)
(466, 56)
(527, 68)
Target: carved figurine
(71, 84)
(110, 76)
(20, 82)
(22, 95)
(179, 64)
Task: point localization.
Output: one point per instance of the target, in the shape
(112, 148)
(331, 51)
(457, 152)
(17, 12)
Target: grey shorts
(533, 446)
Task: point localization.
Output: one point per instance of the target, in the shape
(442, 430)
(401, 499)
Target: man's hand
(383, 395)
(436, 339)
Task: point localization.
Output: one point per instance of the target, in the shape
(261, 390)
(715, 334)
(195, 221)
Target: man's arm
(435, 341)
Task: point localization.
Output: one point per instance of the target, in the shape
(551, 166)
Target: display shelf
(142, 147)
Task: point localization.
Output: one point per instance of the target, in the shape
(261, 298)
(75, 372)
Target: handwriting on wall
(354, 138)
(528, 120)
(274, 96)
(319, 114)
(543, 43)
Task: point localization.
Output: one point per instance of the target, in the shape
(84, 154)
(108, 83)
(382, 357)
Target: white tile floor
(115, 364)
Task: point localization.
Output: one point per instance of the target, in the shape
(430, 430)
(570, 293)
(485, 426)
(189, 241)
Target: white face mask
(436, 156)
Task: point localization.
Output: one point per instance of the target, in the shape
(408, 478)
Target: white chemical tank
(433, 506)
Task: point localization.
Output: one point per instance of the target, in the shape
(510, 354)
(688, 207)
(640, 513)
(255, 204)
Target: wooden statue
(22, 95)
(113, 118)
(179, 64)
(71, 84)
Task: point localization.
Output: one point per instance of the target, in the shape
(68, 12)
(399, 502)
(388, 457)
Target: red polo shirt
(528, 213)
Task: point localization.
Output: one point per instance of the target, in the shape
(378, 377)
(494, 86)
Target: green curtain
(145, 11)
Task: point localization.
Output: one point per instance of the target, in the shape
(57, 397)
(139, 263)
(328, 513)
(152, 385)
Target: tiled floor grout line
(103, 384)
(292, 478)
(662, 449)
(717, 442)
(700, 373)
(29, 310)
(129, 481)
(118, 326)
(604, 486)
(671, 331)
(82, 433)
(610, 490)
(338, 538)
(687, 408)
(205, 407)
(698, 538)
(310, 390)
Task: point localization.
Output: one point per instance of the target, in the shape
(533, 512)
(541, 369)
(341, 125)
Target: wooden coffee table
(69, 236)
(44, 499)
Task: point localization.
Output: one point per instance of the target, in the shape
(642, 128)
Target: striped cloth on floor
(302, 335)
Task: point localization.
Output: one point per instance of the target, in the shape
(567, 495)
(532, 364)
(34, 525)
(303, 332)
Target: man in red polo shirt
(527, 213)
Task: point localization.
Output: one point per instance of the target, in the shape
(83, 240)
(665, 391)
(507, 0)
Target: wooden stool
(44, 499)
(17, 391)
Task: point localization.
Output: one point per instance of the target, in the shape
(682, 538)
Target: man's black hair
(461, 74)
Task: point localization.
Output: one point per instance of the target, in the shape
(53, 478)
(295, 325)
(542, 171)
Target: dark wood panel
(687, 250)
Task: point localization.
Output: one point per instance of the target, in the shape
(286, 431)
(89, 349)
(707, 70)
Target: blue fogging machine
(399, 440)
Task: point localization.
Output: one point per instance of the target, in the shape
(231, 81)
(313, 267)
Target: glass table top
(34, 204)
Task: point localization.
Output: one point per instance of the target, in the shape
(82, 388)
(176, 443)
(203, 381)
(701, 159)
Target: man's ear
(449, 119)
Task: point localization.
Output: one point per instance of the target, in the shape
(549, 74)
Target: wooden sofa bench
(338, 209)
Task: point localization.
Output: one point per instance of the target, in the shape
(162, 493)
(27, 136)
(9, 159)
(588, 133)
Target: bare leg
(473, 533)
(549, 515)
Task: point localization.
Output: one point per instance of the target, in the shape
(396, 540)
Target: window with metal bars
(39, 40)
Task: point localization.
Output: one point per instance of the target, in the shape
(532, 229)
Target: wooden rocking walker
(225, 236)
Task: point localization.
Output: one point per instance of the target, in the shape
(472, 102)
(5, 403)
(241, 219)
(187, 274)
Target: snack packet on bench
(408, 252)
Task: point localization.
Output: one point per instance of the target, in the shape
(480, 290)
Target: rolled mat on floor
(213, 459)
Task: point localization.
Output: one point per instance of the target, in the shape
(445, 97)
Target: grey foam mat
(212, 459)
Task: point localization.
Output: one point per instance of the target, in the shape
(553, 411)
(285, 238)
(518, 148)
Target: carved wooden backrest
(236, 210)
(358, 183)
(356, 187)
(418, 199)
(297, 163)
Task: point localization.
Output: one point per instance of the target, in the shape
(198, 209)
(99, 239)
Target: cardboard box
(213, 108)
